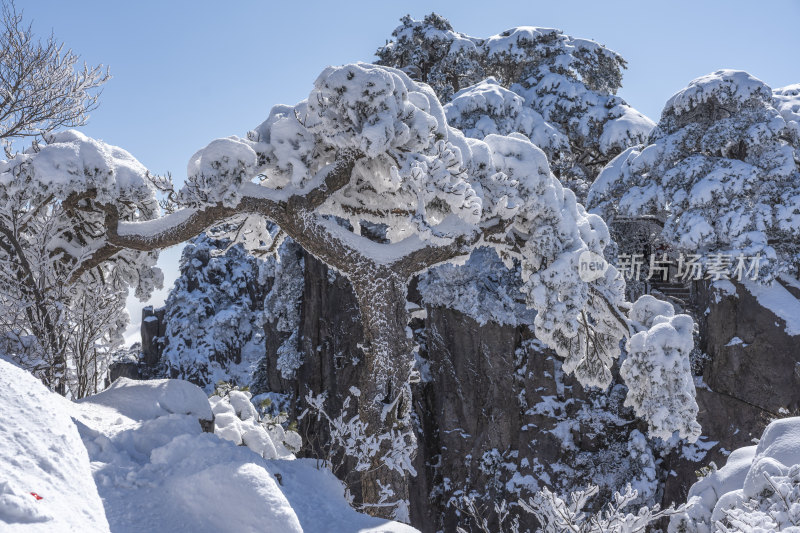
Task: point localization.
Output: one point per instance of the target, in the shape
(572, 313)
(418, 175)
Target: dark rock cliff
(497, 419)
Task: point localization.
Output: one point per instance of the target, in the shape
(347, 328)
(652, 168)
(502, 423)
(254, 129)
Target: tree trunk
(385, 400)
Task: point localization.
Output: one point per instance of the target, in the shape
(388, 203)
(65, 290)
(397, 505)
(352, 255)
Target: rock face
(330, 333)
(497, 419)
(753, 358)
(495, 416)
(751, 376)
(123, 369)
(153, 329)
(467, 407)
(142, 361)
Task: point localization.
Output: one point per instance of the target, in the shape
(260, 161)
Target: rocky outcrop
(330, 328)
(750, 376)
(753, 358)
(497, 419)
(140, 361)
(123, 369)
(153, 330)
(501, 420)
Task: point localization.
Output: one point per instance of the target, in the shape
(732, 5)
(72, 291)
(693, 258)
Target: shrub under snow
(658, 372)
(758, 490)
(236, 419)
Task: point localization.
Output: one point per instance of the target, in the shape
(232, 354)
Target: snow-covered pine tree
(557, 90)
(720, 170)
(370, 145)
(214, 314)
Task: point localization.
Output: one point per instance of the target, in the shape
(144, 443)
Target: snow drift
(150, 467)
(41, 453)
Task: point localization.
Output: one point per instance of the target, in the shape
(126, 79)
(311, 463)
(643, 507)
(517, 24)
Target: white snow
(756, 490)
(41, 452)
(657, 370)
(711, 488)
(727, 85)
(481, 288)
(153, 467)
(72, 161)
(735, 341)
(148, 400)
(723, 183)
(787, 102)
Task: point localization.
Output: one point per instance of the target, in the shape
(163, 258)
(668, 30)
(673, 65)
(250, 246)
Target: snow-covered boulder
(143, 400)
(758, 489)
(45, 479)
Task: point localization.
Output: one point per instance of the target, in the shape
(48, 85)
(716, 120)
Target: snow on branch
(555, 89)
(368, 147)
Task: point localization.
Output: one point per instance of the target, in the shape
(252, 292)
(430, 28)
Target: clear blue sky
(185, 73)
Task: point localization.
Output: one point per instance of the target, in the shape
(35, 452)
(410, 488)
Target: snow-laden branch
(369, 148)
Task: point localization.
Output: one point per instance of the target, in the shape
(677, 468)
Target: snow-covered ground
(41, 453)
(134, 458)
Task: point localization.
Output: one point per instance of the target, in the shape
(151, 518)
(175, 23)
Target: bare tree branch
(40, 88)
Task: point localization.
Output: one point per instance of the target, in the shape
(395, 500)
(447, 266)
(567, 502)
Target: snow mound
(758, 489)
(237, 420)
(156, 470)
(144, 400)
(149, 453)
(324, 508)
(150, 466)
(42, 453)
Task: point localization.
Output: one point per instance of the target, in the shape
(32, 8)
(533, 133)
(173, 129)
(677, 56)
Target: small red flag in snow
(36, 496)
